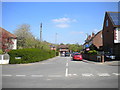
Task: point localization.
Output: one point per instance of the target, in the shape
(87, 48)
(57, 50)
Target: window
(101, 36)
(106, 23)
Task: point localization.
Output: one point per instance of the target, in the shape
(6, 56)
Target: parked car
(77, 56)
(67, 54)
(62, 54)
(109, 56)
(73, 53)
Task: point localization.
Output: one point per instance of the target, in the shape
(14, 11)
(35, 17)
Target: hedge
(29, 55)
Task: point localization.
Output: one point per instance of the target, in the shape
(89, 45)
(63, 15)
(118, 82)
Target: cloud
(64, 20)
(62, 25)
(61, 20)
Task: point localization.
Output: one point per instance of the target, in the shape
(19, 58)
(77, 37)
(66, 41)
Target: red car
(77, 56)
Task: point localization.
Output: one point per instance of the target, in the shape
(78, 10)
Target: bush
(29, 55)
(1, 52)
(93, 52)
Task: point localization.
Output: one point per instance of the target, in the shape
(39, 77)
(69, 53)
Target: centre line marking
(20, 75)
(66, 73)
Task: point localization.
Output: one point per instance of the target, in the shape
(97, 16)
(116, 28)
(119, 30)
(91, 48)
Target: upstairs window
(106, 23)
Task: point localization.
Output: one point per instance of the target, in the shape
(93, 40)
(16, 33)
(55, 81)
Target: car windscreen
(77, 54)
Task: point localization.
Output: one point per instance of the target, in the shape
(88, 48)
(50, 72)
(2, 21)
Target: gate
(4, 59)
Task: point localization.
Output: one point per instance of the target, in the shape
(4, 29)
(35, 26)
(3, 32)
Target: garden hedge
(29, 55)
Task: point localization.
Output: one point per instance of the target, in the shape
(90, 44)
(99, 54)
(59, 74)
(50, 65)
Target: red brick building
(8, 40)
(63, 49)
(94, 40)
(111, 34)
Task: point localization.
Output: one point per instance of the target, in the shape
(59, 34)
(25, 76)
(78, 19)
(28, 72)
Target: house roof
(114, 17)
(10, 35)
(52, 46)
(63, 46)
(92, 37)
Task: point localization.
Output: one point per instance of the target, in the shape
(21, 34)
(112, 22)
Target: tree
(27, 40)
(75, 47)
(24, 36)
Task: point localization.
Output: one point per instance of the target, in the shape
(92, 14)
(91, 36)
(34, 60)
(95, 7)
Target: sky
(72, 21)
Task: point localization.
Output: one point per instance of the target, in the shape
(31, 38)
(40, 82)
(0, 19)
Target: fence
(4, 59)
(90, 57)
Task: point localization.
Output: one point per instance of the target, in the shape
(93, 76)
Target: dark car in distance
(67, 54)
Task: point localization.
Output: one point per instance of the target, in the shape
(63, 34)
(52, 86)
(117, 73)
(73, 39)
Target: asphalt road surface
(60, 72)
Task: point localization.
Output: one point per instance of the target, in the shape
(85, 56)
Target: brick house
(8, 41)
(111, 34)
(94, 40)
(52, 47)
(63, 49)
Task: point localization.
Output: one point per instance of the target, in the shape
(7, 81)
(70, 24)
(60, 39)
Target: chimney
(93, 34)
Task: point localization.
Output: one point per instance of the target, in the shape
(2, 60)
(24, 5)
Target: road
(60, 72)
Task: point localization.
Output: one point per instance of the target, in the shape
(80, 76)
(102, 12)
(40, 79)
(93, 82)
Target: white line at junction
(37, 75)
(20, 75)
(7, 75)
(117, 74)
(87, 74)
(103, 74)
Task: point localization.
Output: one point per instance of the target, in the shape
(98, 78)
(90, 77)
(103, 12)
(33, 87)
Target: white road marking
(66, 73)
(20, 75)
(103, 74)
(75, 74)
(7, 75)
(67, 64)
(54, 75)
(117, 74)
(87, 74)
(37, 75)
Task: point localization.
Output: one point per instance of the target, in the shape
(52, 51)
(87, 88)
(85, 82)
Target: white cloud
(64, 20)
(62, 25)
(61, 20)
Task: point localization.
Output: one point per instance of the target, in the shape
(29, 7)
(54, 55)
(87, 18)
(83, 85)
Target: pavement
(60, 72)
(112, 63)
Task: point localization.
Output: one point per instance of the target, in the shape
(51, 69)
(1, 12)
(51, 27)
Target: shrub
(29, 55)
(1, 52)
(93, 52)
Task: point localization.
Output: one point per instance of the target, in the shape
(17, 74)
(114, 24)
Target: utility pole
(55, 42)
(41, 32)
(56, 38)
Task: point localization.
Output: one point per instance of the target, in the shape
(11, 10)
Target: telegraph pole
(55, 42)
(41, 32)
(56, 38)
